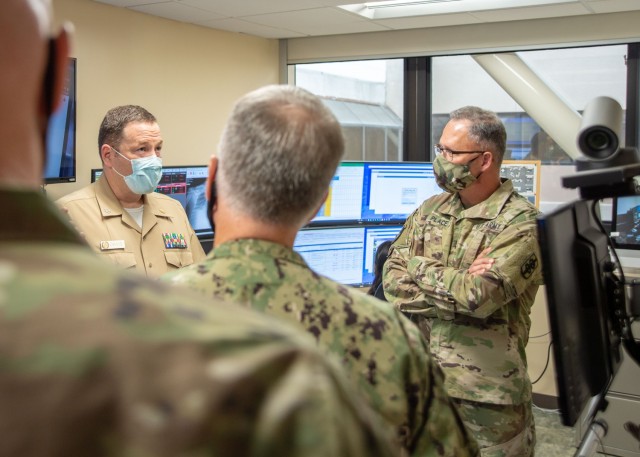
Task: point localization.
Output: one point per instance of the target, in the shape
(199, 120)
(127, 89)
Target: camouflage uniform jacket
(382, 351)
(99, 362)
(477, 327)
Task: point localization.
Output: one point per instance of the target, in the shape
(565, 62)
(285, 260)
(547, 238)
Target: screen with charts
(344, 254)
(374, 192)
(187, 185)
(625, 223)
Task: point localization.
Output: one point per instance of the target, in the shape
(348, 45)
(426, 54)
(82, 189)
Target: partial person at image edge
(101, 362)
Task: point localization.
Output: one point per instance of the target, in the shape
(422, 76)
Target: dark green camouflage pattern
(99, 362)
(477, 326)
(382, 352)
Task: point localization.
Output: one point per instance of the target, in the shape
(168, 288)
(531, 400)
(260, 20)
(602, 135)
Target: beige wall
(187, 76)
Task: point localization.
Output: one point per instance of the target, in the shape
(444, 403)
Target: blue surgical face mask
(145, 175)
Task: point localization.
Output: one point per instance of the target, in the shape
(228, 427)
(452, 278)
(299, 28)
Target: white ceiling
(301, 18)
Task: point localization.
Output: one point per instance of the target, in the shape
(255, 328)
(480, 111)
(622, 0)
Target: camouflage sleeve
(517, 266)
(124, 366)
(400, 289)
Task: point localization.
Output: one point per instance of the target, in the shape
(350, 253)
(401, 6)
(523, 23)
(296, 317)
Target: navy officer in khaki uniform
(120, 215)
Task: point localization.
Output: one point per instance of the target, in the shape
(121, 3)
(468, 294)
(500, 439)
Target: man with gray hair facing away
(278, 154)
(99, 362)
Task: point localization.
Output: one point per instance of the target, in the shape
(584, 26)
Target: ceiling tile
(249, 28)
(177, 11)
(531, 12)
(296, 18)
(251, 7)
(127, 3)
(319, 21)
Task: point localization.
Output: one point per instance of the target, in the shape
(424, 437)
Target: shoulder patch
(529, 266)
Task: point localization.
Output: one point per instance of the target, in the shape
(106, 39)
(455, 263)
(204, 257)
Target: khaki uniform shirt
(165, 242)
(100, 362)
(381, 351)
(477, 326)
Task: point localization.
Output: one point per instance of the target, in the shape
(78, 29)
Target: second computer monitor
(625, 228)
(376, 192)
(344, 254)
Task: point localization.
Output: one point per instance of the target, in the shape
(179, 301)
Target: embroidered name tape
(111, 244)
(174, 241)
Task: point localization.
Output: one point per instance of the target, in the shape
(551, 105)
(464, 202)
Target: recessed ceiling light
(403, 8)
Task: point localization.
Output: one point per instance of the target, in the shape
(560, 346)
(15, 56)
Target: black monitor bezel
(73, 75)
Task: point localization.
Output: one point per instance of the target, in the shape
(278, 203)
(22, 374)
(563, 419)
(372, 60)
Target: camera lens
(597, 141)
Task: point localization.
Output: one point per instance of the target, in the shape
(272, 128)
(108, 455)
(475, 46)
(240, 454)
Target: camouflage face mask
(452, 177)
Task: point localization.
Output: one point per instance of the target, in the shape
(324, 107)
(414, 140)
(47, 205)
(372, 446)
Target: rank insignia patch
(174, 241)
(529, 266)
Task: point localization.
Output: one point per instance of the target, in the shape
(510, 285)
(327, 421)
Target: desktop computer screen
(374, 192)
(393, 190)
(625, 223)
(344, 254)
(187, 185)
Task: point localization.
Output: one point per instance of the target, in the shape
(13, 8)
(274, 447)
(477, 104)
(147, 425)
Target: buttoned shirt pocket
(178, 259)
(471, 248)
(122, 259)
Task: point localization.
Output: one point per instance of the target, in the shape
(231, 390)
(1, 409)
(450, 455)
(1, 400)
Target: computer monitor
(187, 185)
(579, 287)
(625, 222)
(60, 153)
(344, 254)
(375, 192)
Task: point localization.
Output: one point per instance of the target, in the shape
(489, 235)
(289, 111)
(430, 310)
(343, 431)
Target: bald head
(24, 38)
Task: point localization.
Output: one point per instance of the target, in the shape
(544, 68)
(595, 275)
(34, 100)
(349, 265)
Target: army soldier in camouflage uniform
(98, 362)
(278, 154)
(466, 266)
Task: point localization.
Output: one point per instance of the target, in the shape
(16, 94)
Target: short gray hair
(486, 129)
(278, 153)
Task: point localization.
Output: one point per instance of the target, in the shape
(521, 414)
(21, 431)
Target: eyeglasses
(449, 153)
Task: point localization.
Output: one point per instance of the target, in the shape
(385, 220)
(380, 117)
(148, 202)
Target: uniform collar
(110, 205)
(488, 209)
(29, 216)
(250, 247)
(107, 202)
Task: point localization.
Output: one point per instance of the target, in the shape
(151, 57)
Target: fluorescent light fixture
(404, 8)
